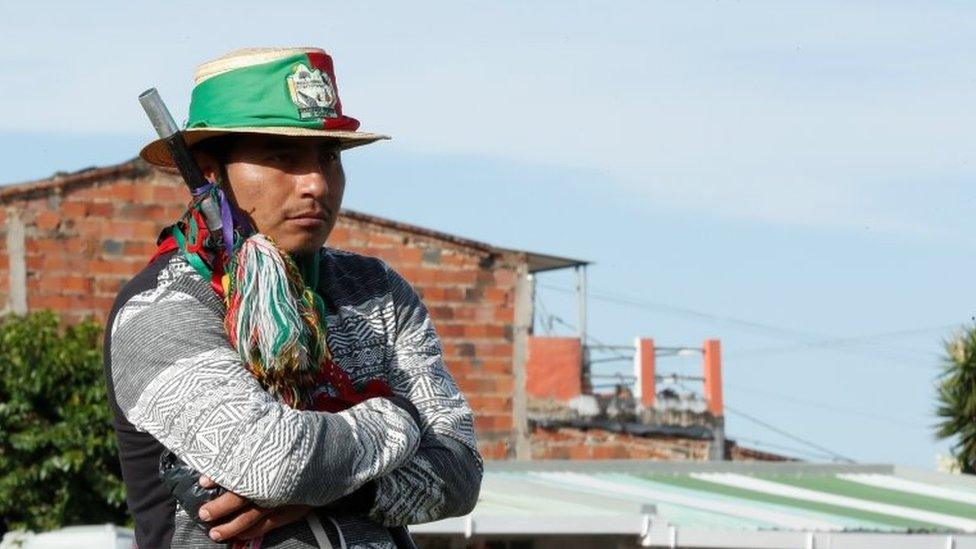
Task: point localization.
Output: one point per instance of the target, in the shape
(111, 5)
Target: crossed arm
(177, 378)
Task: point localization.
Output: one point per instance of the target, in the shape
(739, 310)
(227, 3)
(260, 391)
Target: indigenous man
(306, 382)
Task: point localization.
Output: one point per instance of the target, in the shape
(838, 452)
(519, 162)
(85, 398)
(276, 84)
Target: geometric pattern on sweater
(177, 377)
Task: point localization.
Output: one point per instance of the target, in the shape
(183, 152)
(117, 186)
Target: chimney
(712, 366)
(644, 372)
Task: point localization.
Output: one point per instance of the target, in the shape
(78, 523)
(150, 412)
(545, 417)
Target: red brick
(141, 229)
(122, 192)
(105, 210)
(108, 286)
(497, 295)
(609, 452)
(580, 452)
(451, 259)
(504, 277)
(46, 245)
(113, 267)
(464, 278)
(493, 349)
(76, 245)
(338, 236)
(441, 312)
(484, 331)
(55, 262)
(170, 194)
(424, 276)
(450, 330)
(74, 284)
(486, 384)
(383, 240)
(142, 193)
(92, 227)
(550, 453)
(102, 304)
(498, 449)
(73, 209)
(482, 404)
(55, 302)
(504, 314)
(475, 331)
(47, 220)
(493, 422)
(153, 212)
(139, 249)
(495, 367)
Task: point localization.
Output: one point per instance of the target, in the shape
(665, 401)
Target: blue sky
(792, 178)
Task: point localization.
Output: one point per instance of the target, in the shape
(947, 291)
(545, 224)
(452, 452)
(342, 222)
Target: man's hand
(239, 519)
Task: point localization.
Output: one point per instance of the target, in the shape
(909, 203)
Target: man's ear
(209, 166)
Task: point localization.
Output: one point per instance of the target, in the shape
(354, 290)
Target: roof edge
(681, 467)
(135, 167)
(61, 180)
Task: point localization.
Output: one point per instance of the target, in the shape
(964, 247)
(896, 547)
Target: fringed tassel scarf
(277, 324)
(275, 318)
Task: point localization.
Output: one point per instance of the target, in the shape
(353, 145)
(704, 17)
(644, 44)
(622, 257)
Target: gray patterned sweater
(175, 382)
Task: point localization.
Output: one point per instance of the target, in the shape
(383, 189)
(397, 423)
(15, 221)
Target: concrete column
(644, 371)
(712, 370)
(17, 261)
(524, 314)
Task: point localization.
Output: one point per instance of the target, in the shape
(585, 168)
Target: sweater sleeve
(443, 478)
(177, 377)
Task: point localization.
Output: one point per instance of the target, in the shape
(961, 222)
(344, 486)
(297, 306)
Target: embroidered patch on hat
(312, 92)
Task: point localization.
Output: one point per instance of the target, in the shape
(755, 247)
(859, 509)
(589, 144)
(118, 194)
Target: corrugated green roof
(731, 497)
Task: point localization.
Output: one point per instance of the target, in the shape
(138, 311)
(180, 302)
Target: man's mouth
(310, 218)
(322, 215)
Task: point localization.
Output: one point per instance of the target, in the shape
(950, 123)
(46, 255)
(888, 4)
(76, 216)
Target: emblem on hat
(312, 92)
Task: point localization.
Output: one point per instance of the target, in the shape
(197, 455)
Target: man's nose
(313, 181)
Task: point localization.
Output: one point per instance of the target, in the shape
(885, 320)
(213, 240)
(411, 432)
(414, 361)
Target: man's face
(290, 188)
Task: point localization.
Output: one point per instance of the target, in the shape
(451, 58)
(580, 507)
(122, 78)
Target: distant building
(69, 242)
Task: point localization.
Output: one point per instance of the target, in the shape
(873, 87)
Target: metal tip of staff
(158, 114)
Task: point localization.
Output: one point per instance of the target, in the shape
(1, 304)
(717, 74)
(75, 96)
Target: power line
(681, 311)
(792, 449)
(802, 338)
(842, 341)
(544, 320)
(782, 432)
(834, 455)
(837, 409)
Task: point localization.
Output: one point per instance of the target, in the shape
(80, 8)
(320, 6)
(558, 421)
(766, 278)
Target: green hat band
(298, 91)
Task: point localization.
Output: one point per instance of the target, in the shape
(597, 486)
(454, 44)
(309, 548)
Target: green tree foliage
(58, 458)
(957, 399)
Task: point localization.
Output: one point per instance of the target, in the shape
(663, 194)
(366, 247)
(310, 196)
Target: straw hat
(278, 91)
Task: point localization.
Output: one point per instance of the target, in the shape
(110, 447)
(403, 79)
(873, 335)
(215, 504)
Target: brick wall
(595, 444)
(88, 233)
(85, 240)
(570, 443)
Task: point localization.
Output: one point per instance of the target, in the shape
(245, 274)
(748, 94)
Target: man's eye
(279, 158)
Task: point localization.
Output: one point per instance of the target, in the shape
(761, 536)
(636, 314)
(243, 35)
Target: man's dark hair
(218, 147)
